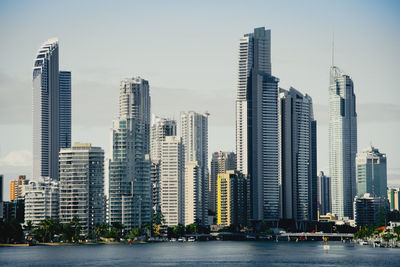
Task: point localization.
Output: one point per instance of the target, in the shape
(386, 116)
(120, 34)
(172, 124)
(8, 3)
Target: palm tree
(76, 226)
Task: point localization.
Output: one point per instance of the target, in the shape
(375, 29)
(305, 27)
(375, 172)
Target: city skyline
(220, 130)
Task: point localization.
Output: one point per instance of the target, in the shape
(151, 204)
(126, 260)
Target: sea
(207, 253)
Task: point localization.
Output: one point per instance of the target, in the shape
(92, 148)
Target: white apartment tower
(194, 131)
(342, 142)
(129, 169)
(82, 186)
(257, 124)
(171, 180)
(160, 128)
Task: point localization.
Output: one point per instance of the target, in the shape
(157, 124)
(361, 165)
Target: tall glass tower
(342, 142)
(46, 111)
(257, 124)
(297, 156)
(65, 109)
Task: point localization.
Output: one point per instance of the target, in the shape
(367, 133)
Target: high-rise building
(324, 193)
(368, 210)
(342, 142)
(371, 173)
(134, 102)
(17, 188)
(65, 109)
(130, 200)
(393, 197)
(46, 111)
(194, 129)
(257, 124)
(297, 156)
(41, 200)
(1, 187)
(191, 201)
(221, 162)
(231, 199)
(160, 128)
(171, 180)
(51, 110)
(82, 186)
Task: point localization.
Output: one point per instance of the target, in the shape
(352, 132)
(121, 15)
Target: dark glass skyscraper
(65, 109)
(257, 124)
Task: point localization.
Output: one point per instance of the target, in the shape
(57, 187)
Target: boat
(363, 243)
(191, 239)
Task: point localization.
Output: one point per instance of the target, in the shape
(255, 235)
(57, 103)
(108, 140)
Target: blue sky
(188, 52)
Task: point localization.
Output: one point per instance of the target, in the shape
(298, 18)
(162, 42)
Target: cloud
(21, 158)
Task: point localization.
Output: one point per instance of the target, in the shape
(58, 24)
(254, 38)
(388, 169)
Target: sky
(188, 51)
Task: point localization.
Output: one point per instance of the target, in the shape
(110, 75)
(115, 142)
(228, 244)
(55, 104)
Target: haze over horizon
(188, 52)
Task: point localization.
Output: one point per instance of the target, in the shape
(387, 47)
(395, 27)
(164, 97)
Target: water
(212, 253)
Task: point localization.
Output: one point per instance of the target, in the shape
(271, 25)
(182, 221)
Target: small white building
(41, 200)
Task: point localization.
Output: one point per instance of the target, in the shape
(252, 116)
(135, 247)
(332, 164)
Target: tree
(46, 230)
(396, 230)
(118, 228)
(179, 230)
(76, 228)
(101, 229)
(135, 233)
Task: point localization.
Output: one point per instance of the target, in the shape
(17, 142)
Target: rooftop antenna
(333, 48)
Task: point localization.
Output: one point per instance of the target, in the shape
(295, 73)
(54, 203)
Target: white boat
(363, 243)
(191, 239)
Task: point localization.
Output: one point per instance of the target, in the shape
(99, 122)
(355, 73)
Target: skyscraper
(1, 187)
(171, 180)
(51, 110)
(257, 124)
(191, 201)
(297, 155)
(221, 162)
(129, 168)
(324, 193)
(46, 111)
(134, 102)
(371, 173)
(65, 109)
(393, 195)
(82, 186)
(160, 128)
(17, 188)
(231, 199)
(342, 142)
(194, 129)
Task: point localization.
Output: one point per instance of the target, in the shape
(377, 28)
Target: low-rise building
(41, 200)
(231, 199)
(369, 209)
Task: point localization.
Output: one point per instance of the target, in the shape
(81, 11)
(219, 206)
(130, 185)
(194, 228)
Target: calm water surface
(213, 253)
